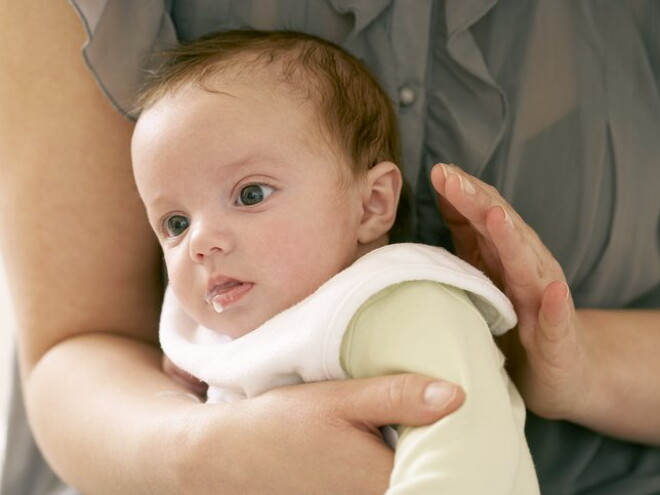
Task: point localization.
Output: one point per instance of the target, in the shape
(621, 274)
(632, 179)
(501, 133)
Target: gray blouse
(554, 102)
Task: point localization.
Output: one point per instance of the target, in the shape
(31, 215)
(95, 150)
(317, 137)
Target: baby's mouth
(217, 305)
(222, 295)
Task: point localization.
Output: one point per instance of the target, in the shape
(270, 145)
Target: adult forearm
(95, 408)
(622, 389)
(102, 421)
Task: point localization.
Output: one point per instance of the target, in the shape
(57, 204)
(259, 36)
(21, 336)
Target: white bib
(302, 343)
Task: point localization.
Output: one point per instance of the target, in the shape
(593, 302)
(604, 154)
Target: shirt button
(407, 95)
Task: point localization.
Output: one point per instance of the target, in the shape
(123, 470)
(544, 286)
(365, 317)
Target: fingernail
(466, 186)
(443, 166)
(507, 218)
(439, 394)
(567, 294)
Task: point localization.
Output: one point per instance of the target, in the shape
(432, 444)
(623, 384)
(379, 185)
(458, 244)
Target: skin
(109, 329)
(196, 152)
(83, 268)
(580, 365)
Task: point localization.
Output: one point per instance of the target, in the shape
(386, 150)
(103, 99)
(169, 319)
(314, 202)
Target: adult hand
(195, 386)
(547, 356)
(312, 438)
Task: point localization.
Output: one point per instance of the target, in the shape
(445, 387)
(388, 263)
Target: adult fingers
(475, 201)
(407, 399)
(542, 340)
(470, 241)
(553, 332)
(555, 356)
(528, 267)
(194, 385)
(470, 197)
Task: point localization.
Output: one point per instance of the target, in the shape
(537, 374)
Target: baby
(266, 162)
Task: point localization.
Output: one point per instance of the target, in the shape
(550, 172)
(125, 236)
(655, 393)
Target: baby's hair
(355, 113)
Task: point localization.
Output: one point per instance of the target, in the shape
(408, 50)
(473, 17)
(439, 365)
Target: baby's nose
(208, 240)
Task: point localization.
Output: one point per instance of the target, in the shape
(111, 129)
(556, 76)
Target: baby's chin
(236, 321)
(233, 326)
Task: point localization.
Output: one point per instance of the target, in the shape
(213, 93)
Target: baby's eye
(175, 225)
(254, 194)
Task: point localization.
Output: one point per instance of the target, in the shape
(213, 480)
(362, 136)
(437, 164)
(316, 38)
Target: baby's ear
(379, 201)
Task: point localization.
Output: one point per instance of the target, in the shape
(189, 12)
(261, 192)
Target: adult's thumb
(407, 399)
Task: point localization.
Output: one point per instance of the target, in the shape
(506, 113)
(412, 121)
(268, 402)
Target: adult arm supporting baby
(432, 329)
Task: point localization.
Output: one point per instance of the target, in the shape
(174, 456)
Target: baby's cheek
(188, 294)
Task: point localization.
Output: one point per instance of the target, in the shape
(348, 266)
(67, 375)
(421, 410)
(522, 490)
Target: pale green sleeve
(432, 329)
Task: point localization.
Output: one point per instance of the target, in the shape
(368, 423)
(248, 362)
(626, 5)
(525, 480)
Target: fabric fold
(480, 117)
(363, 12)
(122, 38)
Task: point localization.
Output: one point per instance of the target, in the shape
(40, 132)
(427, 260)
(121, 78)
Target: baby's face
(244, 197)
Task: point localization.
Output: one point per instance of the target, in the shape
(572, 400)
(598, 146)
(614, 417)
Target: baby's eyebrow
(158, 203)
(252, 158)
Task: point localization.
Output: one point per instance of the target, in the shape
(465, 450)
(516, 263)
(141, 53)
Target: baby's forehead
(206, 97)
(267, 84)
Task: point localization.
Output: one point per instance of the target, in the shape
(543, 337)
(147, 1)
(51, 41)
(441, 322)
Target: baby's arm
(431, 329)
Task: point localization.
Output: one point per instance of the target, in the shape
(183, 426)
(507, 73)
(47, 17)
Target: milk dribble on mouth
(217, 307)
(214, 302)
